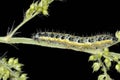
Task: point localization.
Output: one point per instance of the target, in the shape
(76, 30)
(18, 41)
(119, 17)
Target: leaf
(101, 77)
(6, 75)
(23, 77)
(96, 66)
(104, 77)
(117, 67)
(10, 61)
(107, 63)
(106, 51)
(92, 58)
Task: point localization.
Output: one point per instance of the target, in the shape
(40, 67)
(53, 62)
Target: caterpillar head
(117, 35)
(35, 36)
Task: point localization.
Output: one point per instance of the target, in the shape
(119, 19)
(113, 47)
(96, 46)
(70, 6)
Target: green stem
(13, 32)
(21, 24)
(21, 40)
(114, 54)
(104, 70)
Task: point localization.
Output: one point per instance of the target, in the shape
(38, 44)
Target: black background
(71, 16)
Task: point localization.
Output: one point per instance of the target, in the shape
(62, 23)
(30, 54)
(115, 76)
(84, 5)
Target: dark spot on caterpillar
(45, 34)
(104, 38)
(99, 39)
(57, 36)
(108, 38)
(115, 39)
(96, 47)
(71, 39)
(76, 38)
(91, 40)
(63, 37)
(86, 39)
(80, 40)
(52, 35)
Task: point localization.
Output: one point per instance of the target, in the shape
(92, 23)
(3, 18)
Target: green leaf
(10, 61)
(96, 66)
(106, 51)
(6, 75)
(117, 67)
(92, 58)
(107, 63)
(15, 61)
(18, 67)
(23, 77)
(104, 77)
(115, 58)
(2, 69)
(101, 77)
(99, 55)
(11, 69)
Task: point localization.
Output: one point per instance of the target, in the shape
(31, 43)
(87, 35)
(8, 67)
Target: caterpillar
(67, 41)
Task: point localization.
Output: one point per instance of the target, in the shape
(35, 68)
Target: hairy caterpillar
(61, 40)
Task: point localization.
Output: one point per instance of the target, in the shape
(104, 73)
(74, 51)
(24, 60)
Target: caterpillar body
(67, 41)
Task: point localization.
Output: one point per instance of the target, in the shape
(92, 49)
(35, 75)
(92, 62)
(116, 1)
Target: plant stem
(20, 25)
(104, 70)
(21, 40)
